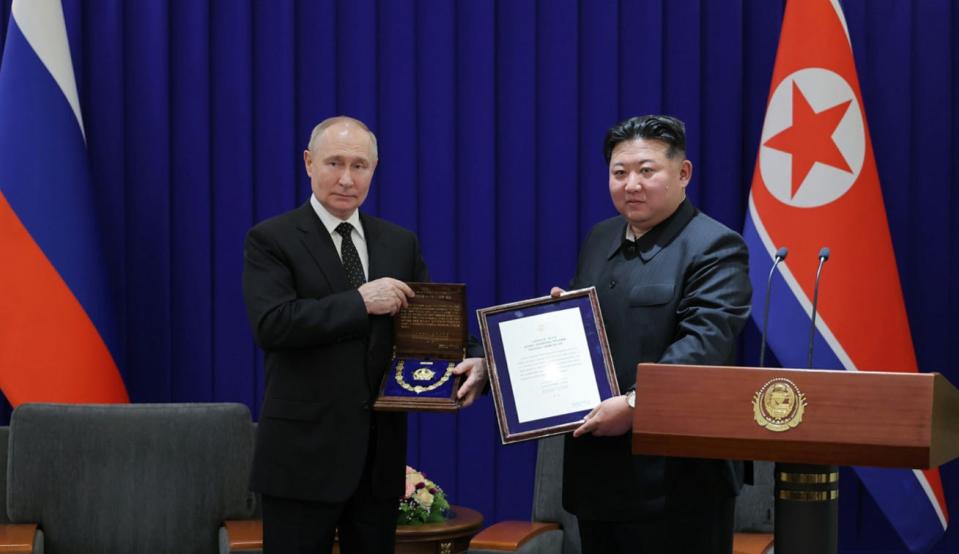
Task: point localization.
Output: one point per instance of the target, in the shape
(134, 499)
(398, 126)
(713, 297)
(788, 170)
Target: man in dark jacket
(674, 287)
(320, 284)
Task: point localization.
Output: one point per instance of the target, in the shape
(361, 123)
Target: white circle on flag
(822, 89)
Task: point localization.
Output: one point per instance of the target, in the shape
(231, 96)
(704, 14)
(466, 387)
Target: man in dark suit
(320, 284)
(674, 287)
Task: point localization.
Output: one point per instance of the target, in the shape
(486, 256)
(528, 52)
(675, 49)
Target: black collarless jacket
(325, 358)
(679, 294)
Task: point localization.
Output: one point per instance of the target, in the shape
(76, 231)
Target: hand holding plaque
(549, 363)
(429, 340)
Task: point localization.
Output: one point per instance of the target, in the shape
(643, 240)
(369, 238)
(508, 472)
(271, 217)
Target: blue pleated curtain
(490, 116)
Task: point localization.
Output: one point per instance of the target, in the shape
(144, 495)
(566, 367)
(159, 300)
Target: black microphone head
(782, 253)
(824, 253)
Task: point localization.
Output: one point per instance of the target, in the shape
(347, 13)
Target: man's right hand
(385, 296)
(556, 292)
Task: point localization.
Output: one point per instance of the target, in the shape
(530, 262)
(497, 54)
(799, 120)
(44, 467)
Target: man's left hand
(612, 417)
(475, 371)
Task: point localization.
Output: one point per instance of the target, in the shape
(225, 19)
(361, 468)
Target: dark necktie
(351, 258)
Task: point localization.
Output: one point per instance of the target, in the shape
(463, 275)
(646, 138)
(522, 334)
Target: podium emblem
(779, 405)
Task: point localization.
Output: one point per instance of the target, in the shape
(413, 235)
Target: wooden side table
(449, 537)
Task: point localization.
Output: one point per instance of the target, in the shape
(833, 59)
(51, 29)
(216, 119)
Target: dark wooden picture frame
(419, 342)
(511, 430)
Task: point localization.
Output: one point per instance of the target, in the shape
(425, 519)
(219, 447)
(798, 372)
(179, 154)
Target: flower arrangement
(423, 502)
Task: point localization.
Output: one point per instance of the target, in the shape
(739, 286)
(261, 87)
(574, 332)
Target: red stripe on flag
(50, 351)
(816, 184)
(861, 301)
(935, 483)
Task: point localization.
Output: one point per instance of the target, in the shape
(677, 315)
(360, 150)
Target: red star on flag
(809, 140)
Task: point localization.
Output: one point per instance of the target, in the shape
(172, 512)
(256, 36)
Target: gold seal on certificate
(429, 339)
(549, 363)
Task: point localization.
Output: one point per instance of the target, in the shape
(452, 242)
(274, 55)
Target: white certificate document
(549, 364)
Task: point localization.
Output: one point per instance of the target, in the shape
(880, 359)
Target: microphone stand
(807, 495)
(780, 257)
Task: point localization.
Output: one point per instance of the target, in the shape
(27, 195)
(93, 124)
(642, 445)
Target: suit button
(365, 406)
(612, 284)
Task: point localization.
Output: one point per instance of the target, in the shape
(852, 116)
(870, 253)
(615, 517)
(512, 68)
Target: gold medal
(422, 373)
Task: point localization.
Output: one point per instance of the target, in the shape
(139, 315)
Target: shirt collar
(652, 241)
(630, 235)
(330, 221)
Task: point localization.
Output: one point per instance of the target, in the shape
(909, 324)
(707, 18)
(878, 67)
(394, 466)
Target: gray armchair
(754, 513)
(128, 478)
(554, 531)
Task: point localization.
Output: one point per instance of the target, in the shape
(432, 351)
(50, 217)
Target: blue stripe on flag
(45, 178)
(902, 499)
(788, 332)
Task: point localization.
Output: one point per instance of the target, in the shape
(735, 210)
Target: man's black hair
(649, 127)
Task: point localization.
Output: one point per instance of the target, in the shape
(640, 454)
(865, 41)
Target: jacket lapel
(377, 247)
(320, 246)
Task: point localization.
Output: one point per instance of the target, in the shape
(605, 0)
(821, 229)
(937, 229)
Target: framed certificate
(549, 363)
(429, 339)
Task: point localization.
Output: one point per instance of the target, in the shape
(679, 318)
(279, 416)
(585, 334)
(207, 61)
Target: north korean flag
(815, 184)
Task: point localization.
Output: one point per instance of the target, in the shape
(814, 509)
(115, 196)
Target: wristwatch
(631, 398)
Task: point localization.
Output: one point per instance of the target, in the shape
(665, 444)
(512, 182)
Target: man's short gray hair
(329, 122)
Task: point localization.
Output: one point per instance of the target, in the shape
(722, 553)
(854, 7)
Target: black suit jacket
(681, 294)
(325, 358)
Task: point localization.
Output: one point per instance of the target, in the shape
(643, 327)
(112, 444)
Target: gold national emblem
(779, 405)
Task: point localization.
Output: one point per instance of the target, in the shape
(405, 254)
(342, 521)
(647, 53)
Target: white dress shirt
(330, 221)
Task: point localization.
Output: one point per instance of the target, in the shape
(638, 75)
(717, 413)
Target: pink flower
(413, 478)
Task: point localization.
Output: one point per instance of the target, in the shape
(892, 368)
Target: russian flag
(816, 184)
(56, 327)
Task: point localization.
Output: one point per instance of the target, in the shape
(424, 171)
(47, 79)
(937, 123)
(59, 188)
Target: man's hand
(612, 417)
(475, 371)
(556, 292)
(385, 296)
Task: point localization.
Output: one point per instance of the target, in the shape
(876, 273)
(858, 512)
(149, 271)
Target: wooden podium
(862, 418)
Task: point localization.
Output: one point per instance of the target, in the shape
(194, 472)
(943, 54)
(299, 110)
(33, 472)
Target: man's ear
(307, 159)
(685, 173)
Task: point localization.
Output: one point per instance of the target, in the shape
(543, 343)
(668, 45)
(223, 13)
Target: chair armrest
(17, 537)
(752, 543)
(244, 534)
(509, 535)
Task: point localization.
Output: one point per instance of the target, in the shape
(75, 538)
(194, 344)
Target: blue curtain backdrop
(490, 116)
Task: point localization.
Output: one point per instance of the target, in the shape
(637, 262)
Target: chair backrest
(129, 478)
(754, 506)
(4, 438)
(548, 492)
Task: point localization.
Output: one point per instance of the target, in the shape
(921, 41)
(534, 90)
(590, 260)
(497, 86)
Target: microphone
(823, 256)
(780, 257)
